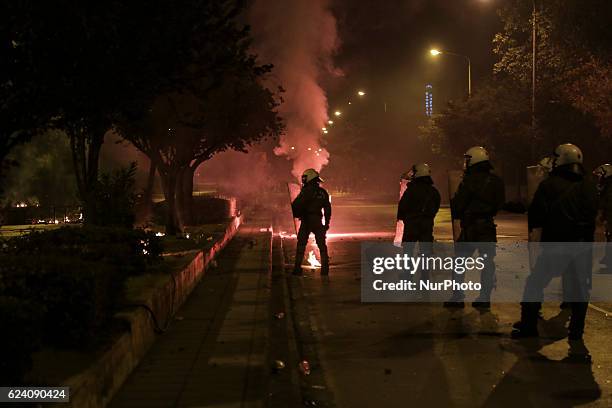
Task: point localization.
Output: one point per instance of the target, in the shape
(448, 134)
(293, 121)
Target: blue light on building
(428, 100)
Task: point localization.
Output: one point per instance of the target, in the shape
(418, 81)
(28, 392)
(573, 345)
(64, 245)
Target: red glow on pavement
(361, 235)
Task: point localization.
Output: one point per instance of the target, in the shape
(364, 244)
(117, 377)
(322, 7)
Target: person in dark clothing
(604, 174)
(564, 207)
(417, 209)
(475, 204)
(313, 208)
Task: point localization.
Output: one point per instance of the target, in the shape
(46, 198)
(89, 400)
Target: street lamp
(337, 113)
(435, 52)
(361, 93)
(533, 61)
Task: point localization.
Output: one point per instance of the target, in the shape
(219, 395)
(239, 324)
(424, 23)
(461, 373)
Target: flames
(313, 261)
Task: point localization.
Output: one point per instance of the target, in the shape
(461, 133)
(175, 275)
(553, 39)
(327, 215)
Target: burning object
(313, 262)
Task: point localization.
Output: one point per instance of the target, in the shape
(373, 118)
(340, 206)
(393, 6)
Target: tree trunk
(147, 196)
(86, 146)
(185, 194)
(173, 219)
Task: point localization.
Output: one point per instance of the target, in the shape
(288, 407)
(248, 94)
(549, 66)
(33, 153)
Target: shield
(535, 175)
(454, 179)
(294, 190)
(399, 226)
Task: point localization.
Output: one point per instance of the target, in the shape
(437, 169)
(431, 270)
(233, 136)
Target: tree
(44, 173)
(94, 62)
(573, 64)
(497, 116)
(184, 129)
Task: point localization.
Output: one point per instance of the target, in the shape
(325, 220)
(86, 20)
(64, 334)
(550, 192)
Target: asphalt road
(397, 355)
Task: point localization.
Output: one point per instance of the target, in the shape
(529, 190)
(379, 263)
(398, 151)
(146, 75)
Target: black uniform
(417, 209)
(311, 206)
(564, 207)
(605, 196)
(478, 199)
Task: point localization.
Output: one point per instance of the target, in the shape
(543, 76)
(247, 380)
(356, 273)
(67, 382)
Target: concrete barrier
(96, 386)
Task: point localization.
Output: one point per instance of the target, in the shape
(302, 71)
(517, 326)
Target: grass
(10, 231)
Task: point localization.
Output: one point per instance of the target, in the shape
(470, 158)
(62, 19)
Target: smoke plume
(299, 37)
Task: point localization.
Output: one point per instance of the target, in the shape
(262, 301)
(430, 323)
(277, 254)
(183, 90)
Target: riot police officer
(313, 208)
(417, 209)
(564, 207)
(604, 174)
(475, 204)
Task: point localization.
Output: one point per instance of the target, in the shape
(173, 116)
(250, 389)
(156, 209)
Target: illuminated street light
(331, 122)
(361, 93)
(324, 129)
(337, 113)
(436, 52)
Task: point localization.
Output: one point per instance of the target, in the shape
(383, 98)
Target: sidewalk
(214, 352)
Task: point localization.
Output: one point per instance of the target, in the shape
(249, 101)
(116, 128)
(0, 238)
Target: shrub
(77, 298)
(20, 338)
(115, 198)
(68, 284)
(130, 251)
(206, 210)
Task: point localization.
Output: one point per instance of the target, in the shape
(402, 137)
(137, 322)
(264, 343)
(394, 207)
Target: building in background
(428, 100)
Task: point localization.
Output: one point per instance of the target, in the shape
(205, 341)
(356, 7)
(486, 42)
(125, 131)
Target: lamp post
(533, 62)
(434, 52)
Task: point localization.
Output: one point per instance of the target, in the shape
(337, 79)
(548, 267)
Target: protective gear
(417, 209)
(399, 225)
(567, 154)
(604, 171)
(311, 206)
(419, 170)
(455, 177)
(478, 199)
(475, 155)
(310, 175)
(565, 207)
(479, 196)
(405, 176)
(605, 207)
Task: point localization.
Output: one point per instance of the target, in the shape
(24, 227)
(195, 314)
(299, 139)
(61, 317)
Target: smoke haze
(299, 37)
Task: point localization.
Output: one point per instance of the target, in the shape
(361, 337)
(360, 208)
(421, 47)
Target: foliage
(115, 198)
(496, 116)
(21, 337)
(573, 88)
(77, 297)
(129, 251)
(82, 67)
(209, 115)
(62, 287)
(43, 174)
(573, 60)
(207, 210)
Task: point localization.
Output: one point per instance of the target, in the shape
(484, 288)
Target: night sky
(384, 47)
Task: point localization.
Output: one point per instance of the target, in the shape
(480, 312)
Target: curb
(284, 388)
(96, 386)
